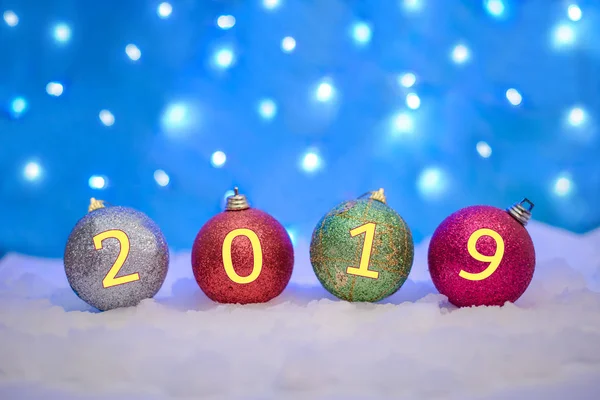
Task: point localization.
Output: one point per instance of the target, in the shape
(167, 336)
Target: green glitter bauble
(334, 248)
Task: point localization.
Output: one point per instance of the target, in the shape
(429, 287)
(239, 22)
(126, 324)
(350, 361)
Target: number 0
(494, 260)
(256, 250)
(111, 278)
(363, 268)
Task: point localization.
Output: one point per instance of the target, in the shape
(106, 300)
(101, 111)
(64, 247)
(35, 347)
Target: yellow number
(111, 278)
(256, 250)
(494, 259)
(363, 269)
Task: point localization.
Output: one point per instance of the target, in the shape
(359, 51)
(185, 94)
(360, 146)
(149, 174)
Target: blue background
(340, 95)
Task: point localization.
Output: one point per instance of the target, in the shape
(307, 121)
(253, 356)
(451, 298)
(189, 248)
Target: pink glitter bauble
(449, 254)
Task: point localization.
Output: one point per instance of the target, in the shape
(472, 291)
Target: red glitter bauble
(510, 249)
(271, 243)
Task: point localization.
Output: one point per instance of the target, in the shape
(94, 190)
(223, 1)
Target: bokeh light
(107, 118)
(226, 22)
(361, 33)
(432, 183)
(494, 7)
(32, 171)
(224, 58)
(18, 106)
(267, 109)
(407, 79)
(325, 91)
(484, 149)
(164, 10)
(460, 54)
(54, 89)
(10, 18)
(574, 12)
(98, 182)
(62, 32)
(218, 159)
(576, 116)
(288, 44)
(161, 178)
(311, 162)
(271, 4)
(514, 97)
(413, 101)
(412, 5)
(563, 36)
(133, 52)
(563, 185)
(403, 123)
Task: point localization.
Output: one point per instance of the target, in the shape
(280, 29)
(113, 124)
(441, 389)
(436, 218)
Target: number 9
(494, 259)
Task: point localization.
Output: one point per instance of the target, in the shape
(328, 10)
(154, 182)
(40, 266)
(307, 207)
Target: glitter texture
(277, 257)
(86, 267)
(333, 250)
(448, 255)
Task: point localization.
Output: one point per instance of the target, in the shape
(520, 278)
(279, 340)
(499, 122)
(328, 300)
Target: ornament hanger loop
(521, 211)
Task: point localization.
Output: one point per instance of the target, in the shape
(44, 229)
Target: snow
(305, 344)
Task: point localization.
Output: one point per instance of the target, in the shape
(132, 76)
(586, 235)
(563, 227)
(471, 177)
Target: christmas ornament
(115, 257)
(242, 255)
(483, 255)
(362, 250)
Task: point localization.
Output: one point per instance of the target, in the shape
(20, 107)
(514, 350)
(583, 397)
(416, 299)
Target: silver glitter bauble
(116, 257)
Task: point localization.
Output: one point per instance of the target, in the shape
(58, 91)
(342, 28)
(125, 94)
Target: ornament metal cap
(95, 204)
(521, 211)
(236, 202)
(378, 195)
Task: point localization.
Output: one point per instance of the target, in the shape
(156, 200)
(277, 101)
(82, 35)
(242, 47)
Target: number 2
(256, 250)
(363, 268)
(111, 278)
(494, 260)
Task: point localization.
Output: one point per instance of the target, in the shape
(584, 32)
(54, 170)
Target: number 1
(363, 268)
(111, 278)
